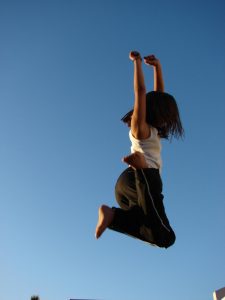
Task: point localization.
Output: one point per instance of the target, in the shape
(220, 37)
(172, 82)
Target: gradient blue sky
(65, 81)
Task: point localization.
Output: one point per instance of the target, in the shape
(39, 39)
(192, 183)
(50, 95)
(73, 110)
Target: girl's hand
(151, 60)
(134, 55)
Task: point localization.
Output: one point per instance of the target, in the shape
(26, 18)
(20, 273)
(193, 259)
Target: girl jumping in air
(138, 190)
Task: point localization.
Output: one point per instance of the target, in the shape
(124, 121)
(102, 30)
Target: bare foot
(105, 217)
(136, 160)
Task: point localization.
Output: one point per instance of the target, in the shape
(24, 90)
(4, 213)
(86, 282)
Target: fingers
(151, 60)
(134, 55)
(152, 56)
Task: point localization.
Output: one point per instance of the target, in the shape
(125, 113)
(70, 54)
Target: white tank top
(150, 147)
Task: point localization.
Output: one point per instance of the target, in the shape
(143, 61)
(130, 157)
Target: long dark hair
(162, 113)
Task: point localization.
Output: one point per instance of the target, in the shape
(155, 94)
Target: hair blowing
(163, 114)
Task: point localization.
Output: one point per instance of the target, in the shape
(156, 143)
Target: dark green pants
(141, 213)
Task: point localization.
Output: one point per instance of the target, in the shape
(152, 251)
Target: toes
(97, 233)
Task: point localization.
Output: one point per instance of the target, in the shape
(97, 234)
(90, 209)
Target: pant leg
(129, 218)
(150, 199)
(125, 189)
(142, 215)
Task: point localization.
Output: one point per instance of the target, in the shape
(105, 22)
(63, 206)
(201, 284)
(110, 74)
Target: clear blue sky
(65, 81)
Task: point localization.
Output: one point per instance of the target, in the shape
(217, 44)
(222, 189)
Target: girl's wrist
(157, 65)
(137, 58)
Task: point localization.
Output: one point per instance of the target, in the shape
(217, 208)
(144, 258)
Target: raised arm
(158, 76)
(139, 128)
